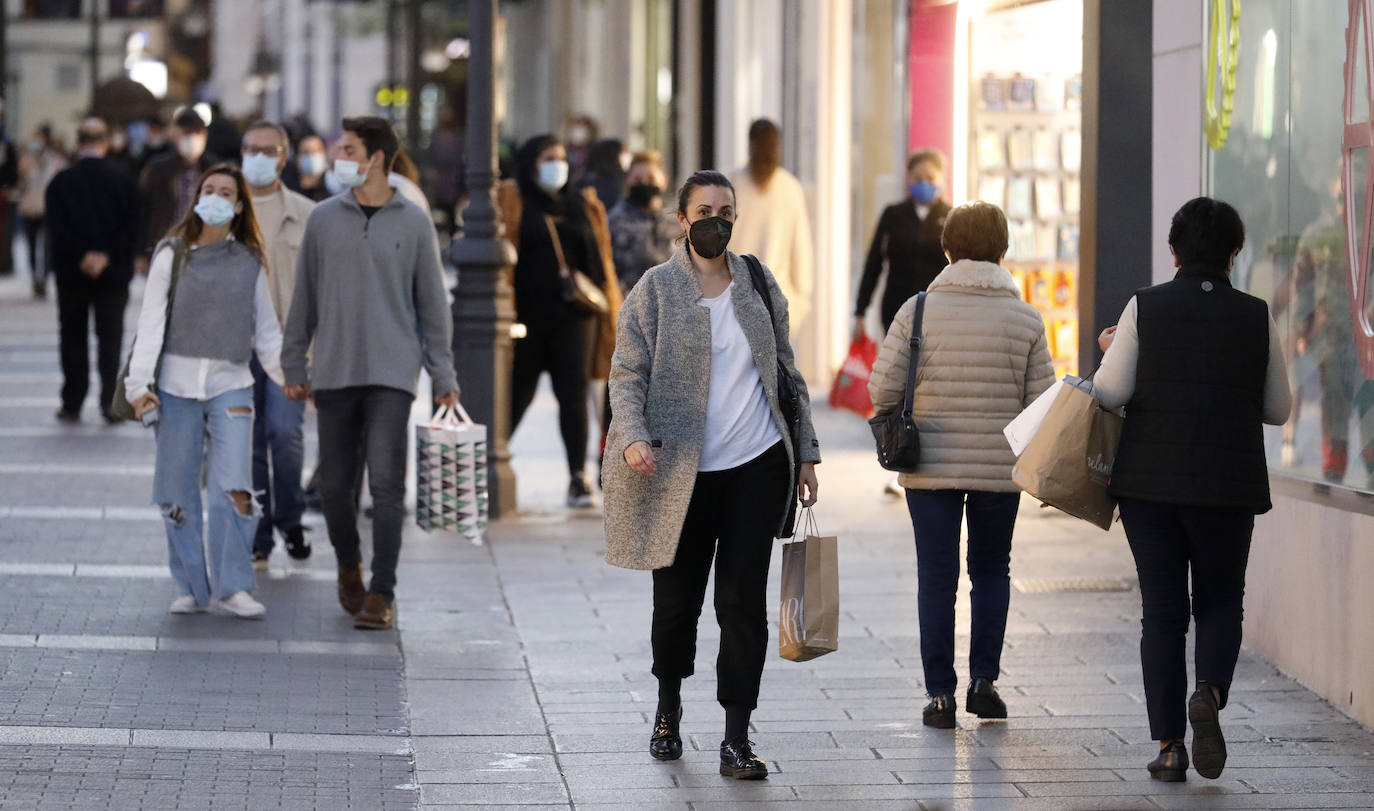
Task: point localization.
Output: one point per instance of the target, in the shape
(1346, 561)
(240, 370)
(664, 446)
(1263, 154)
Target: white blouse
(739, 423)
(197, 378)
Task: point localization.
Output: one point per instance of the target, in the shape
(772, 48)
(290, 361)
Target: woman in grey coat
(699, 461)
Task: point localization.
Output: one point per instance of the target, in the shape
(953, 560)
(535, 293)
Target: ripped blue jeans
(226, 421)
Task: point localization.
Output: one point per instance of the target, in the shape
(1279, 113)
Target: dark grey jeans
(377, 418)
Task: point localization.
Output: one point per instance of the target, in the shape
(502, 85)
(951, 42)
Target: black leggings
(732, 518)
(33, 231)
(563, 349)
(1168, 541)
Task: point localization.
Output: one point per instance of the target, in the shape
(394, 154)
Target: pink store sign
(1359, 135)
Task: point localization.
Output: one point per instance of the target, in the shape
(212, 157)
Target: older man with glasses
(278, 433)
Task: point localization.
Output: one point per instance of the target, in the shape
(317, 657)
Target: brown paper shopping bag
(809, 619)
(1068, 462)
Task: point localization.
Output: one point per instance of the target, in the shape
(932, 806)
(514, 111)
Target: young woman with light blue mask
(206, 311)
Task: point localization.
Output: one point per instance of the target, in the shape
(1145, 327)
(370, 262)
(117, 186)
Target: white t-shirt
(739, 423)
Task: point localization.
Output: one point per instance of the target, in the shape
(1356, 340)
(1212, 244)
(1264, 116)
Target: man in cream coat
(772, 222)
(278, 433)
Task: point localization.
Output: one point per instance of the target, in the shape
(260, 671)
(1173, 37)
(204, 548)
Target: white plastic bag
(1020, 430)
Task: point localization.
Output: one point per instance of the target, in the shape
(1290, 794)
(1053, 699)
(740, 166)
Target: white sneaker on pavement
(242, 605)
(185, 604)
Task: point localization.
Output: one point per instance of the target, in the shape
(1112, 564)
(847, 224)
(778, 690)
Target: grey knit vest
(213, 307)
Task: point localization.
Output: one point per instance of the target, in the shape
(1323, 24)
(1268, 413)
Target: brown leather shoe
(351, 590)
(376, 614)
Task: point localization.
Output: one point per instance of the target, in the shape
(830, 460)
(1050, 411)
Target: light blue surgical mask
(924, 192)
(313, 164)
(214, 210)
(348, 174)
(260, 170)
(553, 175)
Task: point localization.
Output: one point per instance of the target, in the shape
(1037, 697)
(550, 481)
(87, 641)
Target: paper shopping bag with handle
(1068, 462)
(809, 619)
(451, 474)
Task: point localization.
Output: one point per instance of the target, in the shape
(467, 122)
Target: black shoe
(40, 290)
(69, 417)
(1172, 764)
(297, 545)
(939, 713)
(737, 760)
(1209, 747)
(666, 742)
(311, 497)
(579, 494)
(983, 701)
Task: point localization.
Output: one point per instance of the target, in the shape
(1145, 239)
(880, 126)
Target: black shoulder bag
(899, 443)
(789, 398)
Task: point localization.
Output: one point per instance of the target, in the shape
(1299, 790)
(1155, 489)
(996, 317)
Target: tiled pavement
(520, 673)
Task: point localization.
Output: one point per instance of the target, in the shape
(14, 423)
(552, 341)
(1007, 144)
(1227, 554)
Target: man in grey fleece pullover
(370, 295)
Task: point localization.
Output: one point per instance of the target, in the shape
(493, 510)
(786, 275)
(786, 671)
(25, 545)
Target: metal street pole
(95, 49)
(483, 305)
(413, 33)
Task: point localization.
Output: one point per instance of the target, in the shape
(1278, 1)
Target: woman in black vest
(1199, 367)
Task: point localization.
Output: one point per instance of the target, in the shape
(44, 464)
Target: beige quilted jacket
(985, 358)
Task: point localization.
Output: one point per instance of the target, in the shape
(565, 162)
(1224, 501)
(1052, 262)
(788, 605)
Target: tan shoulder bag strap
(563, 269)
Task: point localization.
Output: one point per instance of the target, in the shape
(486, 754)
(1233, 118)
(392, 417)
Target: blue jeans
(278, 455)
(936, 516)
(185, 425)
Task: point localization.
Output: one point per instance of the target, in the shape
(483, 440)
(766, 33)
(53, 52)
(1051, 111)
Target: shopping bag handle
(807, 523)
(454, 415)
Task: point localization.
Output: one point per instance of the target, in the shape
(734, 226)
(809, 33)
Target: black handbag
(585, 295)
(789, 397)
(899, 443)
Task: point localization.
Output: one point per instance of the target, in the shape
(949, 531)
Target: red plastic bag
(850, 391)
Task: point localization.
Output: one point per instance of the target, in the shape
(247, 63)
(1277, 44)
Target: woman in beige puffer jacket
(983, 359)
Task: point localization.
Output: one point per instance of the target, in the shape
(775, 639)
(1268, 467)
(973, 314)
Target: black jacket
(1193, 432)
(93, 205)
(910, 247)
(160, 189)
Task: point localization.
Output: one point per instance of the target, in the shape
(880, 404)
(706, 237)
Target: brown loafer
(351, 590)
(376, 614)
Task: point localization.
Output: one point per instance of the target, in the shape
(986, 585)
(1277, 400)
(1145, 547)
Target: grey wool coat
(660, 379)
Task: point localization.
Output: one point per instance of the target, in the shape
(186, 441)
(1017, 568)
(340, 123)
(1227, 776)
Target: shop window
(1296, 163)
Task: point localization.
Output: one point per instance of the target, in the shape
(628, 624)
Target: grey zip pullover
(370, 295)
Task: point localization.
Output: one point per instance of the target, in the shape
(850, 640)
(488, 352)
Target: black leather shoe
(983, 701)
(1172, 764)
(939, 713)
(297, 545)
(666, 742)
(1209, 747)
(737, 760)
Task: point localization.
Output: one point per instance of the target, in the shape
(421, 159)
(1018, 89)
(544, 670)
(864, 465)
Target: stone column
(483, 304)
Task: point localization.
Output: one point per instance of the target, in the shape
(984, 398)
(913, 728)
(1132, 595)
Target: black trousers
(77, 296)
(377, 419)
(33, 231)
(563, 349)
(1168, 541)
(732, 517)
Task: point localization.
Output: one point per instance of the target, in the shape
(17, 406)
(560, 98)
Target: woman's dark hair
(1206, 232)
(568, 202)
(243, 228)
(699, 180)
(603, 157)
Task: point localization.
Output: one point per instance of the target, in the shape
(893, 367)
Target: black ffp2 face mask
(641, 195)
(709, 236)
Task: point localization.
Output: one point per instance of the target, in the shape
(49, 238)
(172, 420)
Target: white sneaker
(185, 604)
(242, 605)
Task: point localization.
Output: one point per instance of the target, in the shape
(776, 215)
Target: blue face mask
(313, 164)
(260, 170)
(924, 192)
(214, 210)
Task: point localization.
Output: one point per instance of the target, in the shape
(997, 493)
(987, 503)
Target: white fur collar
(973, 274)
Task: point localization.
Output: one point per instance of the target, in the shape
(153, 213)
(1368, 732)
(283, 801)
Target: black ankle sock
(736, 721)
(669, 695)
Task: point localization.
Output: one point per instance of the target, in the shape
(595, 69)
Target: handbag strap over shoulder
(557, 247)
(917, 340)
(179, 251)
(756, 278)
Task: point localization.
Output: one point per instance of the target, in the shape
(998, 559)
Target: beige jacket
(283, 246)
(774, 226)
(985, 358)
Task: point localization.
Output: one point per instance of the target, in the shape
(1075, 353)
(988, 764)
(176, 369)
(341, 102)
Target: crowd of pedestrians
(303, 271)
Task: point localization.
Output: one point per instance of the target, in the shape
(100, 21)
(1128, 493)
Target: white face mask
(191, 147)
(260, 170)
(348, 174)
(214, 210)
(553, 175)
